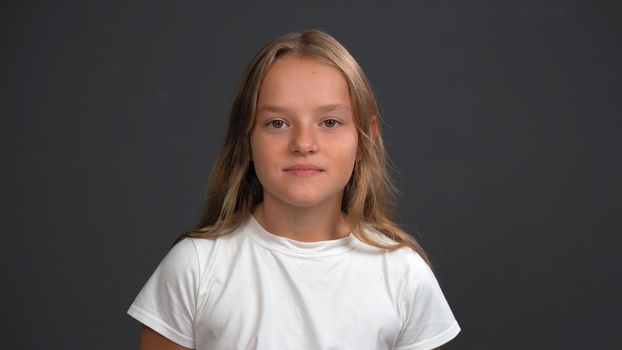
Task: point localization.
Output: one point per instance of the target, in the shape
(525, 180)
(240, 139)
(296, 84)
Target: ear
(373, 128)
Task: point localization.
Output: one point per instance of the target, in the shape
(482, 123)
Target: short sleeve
(428, 320)
(167, 301)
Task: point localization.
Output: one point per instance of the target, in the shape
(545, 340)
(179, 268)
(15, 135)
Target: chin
(305, 200)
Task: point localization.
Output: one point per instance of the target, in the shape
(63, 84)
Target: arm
(165, 305)
(152, 340)
(428, 320)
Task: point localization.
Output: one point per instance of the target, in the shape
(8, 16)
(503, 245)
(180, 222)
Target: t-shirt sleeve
(427, 319)
(167, 301)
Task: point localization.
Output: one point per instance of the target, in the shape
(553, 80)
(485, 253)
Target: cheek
(263, 153)
(257, 152)
(347, 146)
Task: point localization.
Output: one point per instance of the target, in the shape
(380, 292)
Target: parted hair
(233, 188)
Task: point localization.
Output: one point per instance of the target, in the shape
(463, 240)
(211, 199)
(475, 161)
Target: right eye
(276, 124)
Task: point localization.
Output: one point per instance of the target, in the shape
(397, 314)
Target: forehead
(294, 81)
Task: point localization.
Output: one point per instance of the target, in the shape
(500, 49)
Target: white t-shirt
(255, 290)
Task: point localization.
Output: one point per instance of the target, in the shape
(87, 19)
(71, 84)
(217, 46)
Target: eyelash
(337, 123)
(270, 124)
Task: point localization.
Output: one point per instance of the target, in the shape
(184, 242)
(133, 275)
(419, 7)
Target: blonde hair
(234, 189)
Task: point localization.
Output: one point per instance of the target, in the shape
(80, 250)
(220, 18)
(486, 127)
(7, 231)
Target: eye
(331, 123)
(276, 124)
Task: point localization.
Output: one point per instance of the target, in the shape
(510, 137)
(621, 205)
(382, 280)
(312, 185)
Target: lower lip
(304, 172)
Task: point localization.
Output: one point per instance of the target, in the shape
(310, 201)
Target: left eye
(331, 123)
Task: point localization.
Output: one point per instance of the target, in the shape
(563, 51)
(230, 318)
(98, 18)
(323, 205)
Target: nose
(304, 140)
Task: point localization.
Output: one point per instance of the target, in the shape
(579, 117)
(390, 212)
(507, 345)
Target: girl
(297, 248)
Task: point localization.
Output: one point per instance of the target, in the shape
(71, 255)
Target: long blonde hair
(234, 189)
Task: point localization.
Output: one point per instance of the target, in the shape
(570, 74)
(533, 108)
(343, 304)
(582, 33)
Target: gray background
(502, 118)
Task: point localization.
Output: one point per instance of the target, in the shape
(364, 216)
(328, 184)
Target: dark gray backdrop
(502, 118)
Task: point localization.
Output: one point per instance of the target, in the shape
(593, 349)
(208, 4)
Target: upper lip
(303, 167)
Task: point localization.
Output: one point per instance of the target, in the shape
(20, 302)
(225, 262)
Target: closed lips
(304, 167)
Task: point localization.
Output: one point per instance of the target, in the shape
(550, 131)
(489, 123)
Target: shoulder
(205, 246)
(404, 259)
(414, 274)
(180, 264)
(413, 263)
(207, 251)
(404, 265)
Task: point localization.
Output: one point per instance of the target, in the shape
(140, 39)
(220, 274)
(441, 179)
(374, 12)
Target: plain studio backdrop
(502, 118)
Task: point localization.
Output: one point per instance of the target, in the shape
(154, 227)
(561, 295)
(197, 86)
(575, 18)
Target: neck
(321, 223)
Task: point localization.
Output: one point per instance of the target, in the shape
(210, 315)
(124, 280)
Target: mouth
(304, 170)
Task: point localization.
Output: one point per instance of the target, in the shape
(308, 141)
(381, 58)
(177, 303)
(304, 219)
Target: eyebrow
(326, 108)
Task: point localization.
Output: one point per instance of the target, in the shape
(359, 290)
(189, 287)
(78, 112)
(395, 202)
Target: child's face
(304, 139)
